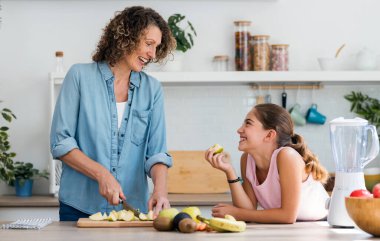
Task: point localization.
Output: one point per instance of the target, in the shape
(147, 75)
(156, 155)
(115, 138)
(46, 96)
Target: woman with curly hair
(108, 127)
(282, 178)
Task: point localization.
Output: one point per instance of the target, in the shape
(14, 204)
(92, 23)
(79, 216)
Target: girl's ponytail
(313, 165)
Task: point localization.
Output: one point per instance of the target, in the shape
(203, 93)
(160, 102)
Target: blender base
(345, 183)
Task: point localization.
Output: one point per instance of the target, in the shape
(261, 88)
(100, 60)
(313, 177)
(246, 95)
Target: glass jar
(59, 66)
(261, 53)
(243, 58)
(279, 57)
(220, 63)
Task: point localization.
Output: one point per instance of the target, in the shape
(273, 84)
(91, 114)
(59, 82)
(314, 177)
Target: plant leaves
(6, 117)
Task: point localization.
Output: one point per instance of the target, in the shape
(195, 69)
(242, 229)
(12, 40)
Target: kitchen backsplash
(200, 116)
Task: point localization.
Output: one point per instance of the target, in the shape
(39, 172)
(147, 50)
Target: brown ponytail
(313, 165)
(277, 118)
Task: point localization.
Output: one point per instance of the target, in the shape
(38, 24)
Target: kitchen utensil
(268, 98)
(297, 116)
(260, 99)
(313, 116)
(191, 173)
(284, 95)
(128, 207)
(339, 50)
(88, 223)
(353, 148)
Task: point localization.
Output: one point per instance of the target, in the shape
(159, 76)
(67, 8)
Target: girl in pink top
(282, 178)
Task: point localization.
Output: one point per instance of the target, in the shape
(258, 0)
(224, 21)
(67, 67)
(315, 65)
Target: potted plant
(184, 33)
(18, 174)
(365, 106)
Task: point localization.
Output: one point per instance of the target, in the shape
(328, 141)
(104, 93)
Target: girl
(280, 174)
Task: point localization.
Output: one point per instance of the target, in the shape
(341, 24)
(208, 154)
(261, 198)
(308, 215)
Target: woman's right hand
(110, 189)
(220, 161)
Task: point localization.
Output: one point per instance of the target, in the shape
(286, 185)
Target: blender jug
(351, 152)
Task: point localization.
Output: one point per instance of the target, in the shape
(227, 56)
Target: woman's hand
(222, 209)
(157, 202)
(110, 189)
(220, 161)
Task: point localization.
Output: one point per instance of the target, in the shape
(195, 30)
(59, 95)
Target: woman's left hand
(157, 202)
(222, 209)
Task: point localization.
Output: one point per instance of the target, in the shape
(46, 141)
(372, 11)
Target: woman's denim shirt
(85, 117)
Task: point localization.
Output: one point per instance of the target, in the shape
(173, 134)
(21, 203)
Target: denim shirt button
(113, 169)
(122, 135)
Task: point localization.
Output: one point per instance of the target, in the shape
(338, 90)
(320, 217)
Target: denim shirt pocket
(140, 123)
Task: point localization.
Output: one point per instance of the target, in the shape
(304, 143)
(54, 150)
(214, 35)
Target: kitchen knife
(128, 207)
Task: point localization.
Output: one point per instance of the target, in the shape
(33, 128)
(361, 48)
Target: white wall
(196, 116)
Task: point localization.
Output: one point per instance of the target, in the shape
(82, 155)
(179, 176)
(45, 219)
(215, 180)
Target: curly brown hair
(277, 118)
(122, 35)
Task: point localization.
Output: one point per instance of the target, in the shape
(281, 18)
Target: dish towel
(33, 223)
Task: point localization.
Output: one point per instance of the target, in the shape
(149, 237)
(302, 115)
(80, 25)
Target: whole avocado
(178, 218)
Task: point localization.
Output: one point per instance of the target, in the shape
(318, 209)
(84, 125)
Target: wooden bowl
(365, 212)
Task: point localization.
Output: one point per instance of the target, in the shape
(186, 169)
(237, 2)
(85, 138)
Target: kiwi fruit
(187, 225)
(163, 224)
(178, 218)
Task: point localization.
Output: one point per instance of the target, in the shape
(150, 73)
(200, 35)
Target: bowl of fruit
(364, 209)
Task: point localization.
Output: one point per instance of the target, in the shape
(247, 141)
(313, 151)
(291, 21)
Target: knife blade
(128, 207)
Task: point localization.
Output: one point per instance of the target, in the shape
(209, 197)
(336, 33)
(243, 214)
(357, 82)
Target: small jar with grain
(243, 58)
(280, 57)
(261, 53)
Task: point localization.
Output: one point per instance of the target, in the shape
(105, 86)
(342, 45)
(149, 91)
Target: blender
(354, 144)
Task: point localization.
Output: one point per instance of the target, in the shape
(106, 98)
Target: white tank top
(120, 112)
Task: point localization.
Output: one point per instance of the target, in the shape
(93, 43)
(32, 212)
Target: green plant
(10, 170)
(183, 35)
(365, 106)
(24, 171)
(6, 157)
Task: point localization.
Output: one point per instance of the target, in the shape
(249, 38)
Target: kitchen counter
(299, 231)
(175, 200)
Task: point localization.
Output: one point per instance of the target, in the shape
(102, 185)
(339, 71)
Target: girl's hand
(222, 209)
(220, 161)
(157, 202)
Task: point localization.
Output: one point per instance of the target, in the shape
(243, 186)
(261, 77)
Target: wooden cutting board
(191, 173)
(87, 223)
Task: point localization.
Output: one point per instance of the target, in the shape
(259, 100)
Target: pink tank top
(268, 193)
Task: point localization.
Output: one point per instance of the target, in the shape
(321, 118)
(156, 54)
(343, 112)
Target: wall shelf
(256, 77)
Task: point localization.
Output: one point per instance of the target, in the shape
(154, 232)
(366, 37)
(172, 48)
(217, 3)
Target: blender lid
(349, 122)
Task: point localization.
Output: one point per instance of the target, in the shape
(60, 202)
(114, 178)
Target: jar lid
(261, 36)
(242, 23)
(280, 45)
(220, 57)
(59, 54)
